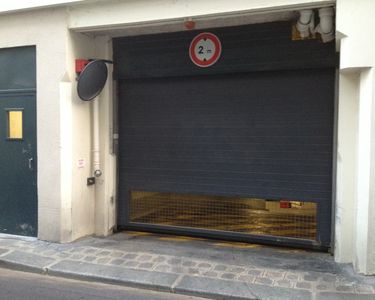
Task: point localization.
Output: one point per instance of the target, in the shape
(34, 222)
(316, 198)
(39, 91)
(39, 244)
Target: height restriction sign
(205, 49)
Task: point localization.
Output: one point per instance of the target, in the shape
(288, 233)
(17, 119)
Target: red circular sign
(205, 49)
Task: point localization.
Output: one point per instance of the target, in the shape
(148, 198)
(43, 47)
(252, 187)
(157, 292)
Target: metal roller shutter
(261, 131)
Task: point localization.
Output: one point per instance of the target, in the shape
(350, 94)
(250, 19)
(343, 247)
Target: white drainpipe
(96, 142)
(305, 24)
(326, 26)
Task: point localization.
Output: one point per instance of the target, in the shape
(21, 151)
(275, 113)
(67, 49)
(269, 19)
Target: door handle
(31, 163)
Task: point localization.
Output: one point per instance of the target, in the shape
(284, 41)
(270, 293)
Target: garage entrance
(240, 150)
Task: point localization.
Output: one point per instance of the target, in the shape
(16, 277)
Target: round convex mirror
(92, 80)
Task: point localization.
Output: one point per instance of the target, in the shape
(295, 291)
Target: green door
(18, 176)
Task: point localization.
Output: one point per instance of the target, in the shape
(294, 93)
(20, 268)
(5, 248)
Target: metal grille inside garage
(219, 151)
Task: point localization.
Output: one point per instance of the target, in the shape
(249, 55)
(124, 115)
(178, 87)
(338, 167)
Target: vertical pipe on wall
(96, 141)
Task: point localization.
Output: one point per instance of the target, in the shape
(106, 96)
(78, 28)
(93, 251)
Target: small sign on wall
(80, 163)
(205, 49)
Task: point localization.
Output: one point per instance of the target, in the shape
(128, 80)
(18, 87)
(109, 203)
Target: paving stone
(103, 260)
(174, 261)
(24, 247)
(236, 270)
(211, 274)
(115, 274)
(91, 251)
(344, 288)
(325, 286)
(117, 254)
(363, 289)
(283, 283)
(311, 277)
(10, 243)
(146, 265)
(163, 268)
(303, 285)
(104, 253)
(221, 289)
(37, 251)
(144, 257)
(204, 265)
(228, 276)
(74, 249)
(255, 272)
(209, 287)
(246, 278)
(117, 261)
(343, 281)
(178, 269)
(49, 252)
(273, 275)
(89, 258)
(159, 259)
(193, 271)
(328, 278)
(291, 276)
(130, 256)
(189, 263)
(63, 255)
(263, 280)
(26, 261)
(343, 296)
(221, 268)
(77, 256)
(131, 263)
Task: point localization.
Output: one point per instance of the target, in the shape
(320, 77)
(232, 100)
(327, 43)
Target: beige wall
(66, 205)
(345, 212)
(82, 198)
(355, 208)
(88, 209)
(49, 35)
(140, 12)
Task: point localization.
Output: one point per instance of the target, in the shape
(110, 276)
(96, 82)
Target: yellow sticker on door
(15, 124)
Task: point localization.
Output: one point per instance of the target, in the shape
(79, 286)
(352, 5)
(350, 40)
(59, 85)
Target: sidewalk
(189, 266)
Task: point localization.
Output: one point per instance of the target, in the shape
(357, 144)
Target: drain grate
(232, 214)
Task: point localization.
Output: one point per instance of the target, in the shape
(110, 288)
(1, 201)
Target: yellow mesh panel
(245, 215)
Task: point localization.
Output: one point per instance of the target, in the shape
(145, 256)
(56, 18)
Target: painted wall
(88, 209)
(49, 36)
(66, 205)
(355, 212)
(346, 199)
(122, 13)
(19, 5)
(78, 129)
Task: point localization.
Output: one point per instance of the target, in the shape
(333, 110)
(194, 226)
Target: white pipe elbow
(326, 25)
(305, 22)
(326, 20)
(305, 16)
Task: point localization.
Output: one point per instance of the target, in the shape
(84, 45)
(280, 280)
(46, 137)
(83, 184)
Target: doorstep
(205, 268)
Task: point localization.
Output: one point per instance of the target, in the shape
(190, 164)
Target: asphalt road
(16, 285)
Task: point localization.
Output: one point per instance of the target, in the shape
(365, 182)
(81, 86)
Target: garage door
(241, 150)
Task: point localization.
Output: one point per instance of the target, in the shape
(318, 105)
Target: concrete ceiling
(200, 23)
